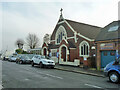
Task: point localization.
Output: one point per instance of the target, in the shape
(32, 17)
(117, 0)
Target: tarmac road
(25, 76)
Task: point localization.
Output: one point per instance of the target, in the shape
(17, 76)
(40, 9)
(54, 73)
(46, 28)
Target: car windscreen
(26, 57)
(30, 56)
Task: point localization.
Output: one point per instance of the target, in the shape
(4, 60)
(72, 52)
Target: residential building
(35, 51)
(108, 44)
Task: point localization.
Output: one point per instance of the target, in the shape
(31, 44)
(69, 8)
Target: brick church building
(73, 41)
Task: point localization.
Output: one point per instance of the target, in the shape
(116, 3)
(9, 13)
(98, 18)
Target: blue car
(112, 70)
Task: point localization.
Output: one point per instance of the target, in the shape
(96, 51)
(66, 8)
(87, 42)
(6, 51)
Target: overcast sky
(18, 19)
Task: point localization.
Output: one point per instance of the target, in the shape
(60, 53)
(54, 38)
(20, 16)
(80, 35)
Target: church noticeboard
(106, 46)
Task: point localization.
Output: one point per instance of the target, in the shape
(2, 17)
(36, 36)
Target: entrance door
(107, 57)
(64, 53)
(45, 51)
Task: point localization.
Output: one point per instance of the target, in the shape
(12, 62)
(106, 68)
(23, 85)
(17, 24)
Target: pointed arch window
(61, 36)
(84, 48)
(61, 32)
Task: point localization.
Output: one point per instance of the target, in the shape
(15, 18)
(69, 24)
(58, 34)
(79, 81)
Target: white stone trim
(65, 40)
(75, 33)
(70, 26)
(70, 37)
(75, 37)
(46, 43)
(60, 48)
(58, 31)
(85, 37)
(61, 22)
(80, 48)
(52, 40)
(78, 33)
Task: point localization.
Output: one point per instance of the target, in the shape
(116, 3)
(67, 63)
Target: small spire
(61, 16)
(61, 10)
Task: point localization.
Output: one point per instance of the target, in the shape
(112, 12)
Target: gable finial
(61, 10)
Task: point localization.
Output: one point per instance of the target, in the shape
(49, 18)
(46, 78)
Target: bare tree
(20, 43)
(32, 41)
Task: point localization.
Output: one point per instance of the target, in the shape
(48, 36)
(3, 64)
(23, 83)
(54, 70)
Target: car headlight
(45, 61)
(104, 68)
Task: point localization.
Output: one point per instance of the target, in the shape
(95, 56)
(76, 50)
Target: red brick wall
(98, 56)
(73, 54)
(91, 52)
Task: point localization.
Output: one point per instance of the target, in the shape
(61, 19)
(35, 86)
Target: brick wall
(73, 54)
(98, 51)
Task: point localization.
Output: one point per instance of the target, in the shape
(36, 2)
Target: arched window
(61, 32)
(84, 48)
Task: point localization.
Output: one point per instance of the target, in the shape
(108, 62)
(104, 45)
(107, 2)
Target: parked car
(5, 58)
(42, 61)
(30, 56)
(12, 58)
(23, 59)
(112, 70)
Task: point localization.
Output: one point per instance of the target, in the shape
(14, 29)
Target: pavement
(81, 70)
(25, 76)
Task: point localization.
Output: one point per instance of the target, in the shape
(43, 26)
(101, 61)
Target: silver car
(42, 61)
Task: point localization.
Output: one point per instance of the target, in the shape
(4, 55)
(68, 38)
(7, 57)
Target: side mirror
(116, 63)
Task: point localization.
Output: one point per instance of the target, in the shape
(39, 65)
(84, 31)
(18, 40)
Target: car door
(34, 59)
(38, 59)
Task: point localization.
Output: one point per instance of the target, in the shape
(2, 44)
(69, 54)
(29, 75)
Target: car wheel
(16, 61)
(32, 64)
(41, 65)
(114, 77)
(20, 62)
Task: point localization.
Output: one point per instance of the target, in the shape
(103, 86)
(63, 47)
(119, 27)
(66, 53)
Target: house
(73, 41)
(35, 51)
(108, 44)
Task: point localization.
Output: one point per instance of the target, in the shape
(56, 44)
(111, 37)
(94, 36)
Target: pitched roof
(86, 30)
(71, 44)
(53, 46)
(109, 32)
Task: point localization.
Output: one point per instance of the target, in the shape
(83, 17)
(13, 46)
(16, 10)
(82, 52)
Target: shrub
(19, 51)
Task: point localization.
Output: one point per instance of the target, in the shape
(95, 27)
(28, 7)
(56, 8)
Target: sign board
(106, 46)
(85, 58)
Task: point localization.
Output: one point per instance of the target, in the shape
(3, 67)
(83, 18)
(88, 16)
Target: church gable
(64, 42)
(71, 29)
(45, 45)
(64, 29)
